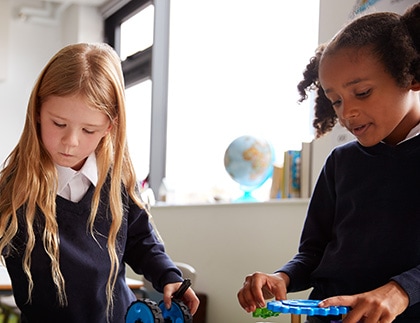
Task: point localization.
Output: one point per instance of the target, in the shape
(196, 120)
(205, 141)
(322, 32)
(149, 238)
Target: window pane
(137, 32)
(139, 102)
(232, 78)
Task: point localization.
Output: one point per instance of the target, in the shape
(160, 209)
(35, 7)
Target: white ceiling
(39, 3)
(49, 11)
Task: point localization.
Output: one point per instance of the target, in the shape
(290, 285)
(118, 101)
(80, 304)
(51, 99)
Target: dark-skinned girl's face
(366, 98)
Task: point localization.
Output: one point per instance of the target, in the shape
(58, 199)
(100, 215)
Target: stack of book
(292, 178)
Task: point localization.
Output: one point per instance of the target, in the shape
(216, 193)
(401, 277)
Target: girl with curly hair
(360, 244)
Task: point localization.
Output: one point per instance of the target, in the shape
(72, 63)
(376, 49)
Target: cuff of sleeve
(409, 281)
(170, 277)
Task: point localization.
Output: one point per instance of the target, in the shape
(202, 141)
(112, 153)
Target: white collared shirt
(413, 132)
(73, 185)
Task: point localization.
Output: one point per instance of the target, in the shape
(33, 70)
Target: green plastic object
(299, 307)
(264, 313)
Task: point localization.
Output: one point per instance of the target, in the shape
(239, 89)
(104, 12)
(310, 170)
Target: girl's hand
(189, 298)
(259, 286)
(383, 304)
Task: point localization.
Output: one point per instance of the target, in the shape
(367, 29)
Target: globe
(249, 161)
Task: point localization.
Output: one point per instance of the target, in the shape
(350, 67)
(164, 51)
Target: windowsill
(234, 204)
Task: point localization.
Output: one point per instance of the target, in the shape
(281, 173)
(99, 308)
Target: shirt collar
(413, 132)
(89, 170)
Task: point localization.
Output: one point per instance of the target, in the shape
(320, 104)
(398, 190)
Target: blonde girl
(65, 245)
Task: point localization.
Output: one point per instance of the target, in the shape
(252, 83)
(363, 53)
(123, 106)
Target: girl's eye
(89, 132)
(60, 125)
(363, 94)
(336, 103)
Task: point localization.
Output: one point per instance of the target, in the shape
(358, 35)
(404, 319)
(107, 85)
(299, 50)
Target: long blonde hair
(29, 178)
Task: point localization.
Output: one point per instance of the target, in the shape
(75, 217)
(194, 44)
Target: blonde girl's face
(366, 98)
(71, 130)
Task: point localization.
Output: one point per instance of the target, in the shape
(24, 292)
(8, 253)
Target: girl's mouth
(359, 130)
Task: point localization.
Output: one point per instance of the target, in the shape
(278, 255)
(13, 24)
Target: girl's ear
(111, 124)
(415, 85)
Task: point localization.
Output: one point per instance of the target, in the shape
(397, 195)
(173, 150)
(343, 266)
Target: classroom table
(6, 285)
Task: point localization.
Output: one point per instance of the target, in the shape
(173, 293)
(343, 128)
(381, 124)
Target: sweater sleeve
(145, 253)
(410, 282)
(316, 233)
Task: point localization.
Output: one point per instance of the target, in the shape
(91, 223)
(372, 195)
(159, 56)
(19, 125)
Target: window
(233, 70)
(130, 29)
(233, 67)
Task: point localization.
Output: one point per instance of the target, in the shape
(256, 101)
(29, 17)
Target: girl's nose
(349, 111)
(70, 139)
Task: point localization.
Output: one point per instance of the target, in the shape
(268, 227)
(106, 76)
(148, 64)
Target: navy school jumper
(363, 225)
(85, 263)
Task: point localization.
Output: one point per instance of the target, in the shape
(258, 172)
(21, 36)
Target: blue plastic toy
(299, 307)
(178, 313)
(147, 311)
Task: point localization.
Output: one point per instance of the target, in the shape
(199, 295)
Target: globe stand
(247, 197)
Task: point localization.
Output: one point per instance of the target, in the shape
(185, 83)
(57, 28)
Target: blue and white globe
(249, 161)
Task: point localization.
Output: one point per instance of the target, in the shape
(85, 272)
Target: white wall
(4, 38)
(335, 14)
(87, 22)
(25, 49)
(225, 242)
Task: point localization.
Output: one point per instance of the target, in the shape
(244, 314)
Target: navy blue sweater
(85, 263)
(362, 227)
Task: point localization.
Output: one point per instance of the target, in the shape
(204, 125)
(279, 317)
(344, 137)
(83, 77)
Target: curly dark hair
(394, 39)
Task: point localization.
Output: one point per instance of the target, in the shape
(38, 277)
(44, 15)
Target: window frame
(136, 67)
(151, 63)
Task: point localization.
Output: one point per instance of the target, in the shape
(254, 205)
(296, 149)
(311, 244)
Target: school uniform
(84, 260)
(362, 228)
